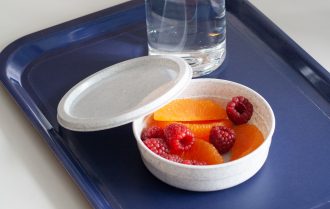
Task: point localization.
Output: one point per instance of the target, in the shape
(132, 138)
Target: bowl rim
(226, 164)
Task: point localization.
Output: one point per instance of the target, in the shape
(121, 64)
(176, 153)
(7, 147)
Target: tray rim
(92, 194)
(317, 76)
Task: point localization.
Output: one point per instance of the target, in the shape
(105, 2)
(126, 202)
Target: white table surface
(30, 175)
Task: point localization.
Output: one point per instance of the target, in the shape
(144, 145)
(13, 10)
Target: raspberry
(157, 145)
(193, 162)
(178, 137)
(152, 132)
(239, 110)
(222, 138)
(174, 158)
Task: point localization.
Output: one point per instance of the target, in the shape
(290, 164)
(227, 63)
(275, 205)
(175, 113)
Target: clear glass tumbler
(192, 29)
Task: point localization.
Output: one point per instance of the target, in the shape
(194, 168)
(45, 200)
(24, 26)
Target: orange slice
(151, 122)
(248, 138)
(200, 129)
(203, 151)
(190, 110)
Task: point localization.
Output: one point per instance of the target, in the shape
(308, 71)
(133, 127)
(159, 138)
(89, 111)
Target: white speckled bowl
(213, 177)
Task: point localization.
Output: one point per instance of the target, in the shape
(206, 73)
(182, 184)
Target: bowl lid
(123, 92)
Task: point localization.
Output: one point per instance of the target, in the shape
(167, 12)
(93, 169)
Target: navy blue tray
(39, 68)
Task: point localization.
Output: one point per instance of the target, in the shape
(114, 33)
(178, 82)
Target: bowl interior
(221, 91)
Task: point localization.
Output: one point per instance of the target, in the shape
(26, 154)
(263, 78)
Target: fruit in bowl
(198, 131)
(208, 138)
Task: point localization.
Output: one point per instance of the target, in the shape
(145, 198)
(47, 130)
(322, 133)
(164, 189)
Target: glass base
(202, 61)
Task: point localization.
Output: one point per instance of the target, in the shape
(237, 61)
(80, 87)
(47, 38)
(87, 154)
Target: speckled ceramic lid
(123, 92)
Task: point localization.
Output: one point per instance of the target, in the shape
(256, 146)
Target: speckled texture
(215, 177)
(118, 94)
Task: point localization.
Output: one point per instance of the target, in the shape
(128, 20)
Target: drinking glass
(192, 29)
